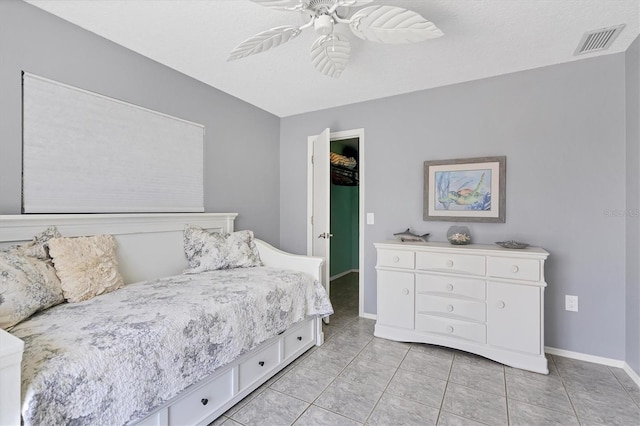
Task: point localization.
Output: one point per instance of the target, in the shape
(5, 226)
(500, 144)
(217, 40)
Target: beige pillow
(86, 266)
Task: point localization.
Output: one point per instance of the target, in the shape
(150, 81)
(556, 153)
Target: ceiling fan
(330, 52)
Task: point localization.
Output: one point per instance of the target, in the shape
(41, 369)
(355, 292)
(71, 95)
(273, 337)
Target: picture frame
(465, 190)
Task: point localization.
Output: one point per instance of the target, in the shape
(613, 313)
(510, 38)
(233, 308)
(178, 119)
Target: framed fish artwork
(465, 190)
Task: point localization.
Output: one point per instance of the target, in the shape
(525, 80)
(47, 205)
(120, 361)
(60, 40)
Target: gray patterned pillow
(207, 251)
(38, 247)
(27, 285)
(87, 266)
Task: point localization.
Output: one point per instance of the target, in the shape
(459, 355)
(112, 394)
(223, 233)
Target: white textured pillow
(27, 285)
(87, 266)
(207, 251)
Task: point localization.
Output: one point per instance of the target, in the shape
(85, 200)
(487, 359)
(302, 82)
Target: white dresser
(483, 299)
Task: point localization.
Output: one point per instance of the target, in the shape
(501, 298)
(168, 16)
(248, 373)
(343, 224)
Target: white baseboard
(634, 376)
(596, 360)
(342, 274)
(368, 316)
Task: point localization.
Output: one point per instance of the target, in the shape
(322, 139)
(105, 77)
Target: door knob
(325, 235)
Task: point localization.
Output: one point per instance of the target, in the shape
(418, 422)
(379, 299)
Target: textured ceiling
(483, 38)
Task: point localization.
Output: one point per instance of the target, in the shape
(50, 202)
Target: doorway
(343, 174)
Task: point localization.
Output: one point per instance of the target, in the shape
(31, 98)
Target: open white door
(320, 211)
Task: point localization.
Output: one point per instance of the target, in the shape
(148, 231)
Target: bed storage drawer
(259, 365)
(202, 402)
(298, 338)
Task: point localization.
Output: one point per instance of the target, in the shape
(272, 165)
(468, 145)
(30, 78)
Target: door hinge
(311, 220)
(312, 159)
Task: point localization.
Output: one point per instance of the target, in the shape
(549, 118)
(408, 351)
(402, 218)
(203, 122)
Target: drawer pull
(449, 308)
(405, 291)
(396, 259)
(515, 269)
(450, 287)
(261, 363)
(500, 304)
(450, 329)
(299, 338)
(450, 263)
(204, 401)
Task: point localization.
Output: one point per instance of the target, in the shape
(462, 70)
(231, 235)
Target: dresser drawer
(450, 286)
(258, 365)
(301, 336)
(455, 263)
(519, 269)
(451, 328)
(450, 307)
(200, 403)
(396, 258)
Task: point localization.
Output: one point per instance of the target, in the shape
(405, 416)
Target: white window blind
(88, 153)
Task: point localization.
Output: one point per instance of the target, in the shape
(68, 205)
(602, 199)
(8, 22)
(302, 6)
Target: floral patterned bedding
(113, 359)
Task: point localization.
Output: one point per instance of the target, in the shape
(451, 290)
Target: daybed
(167, 348)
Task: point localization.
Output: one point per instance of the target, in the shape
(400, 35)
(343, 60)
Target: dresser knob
(396, 259)
(500, 304)
(261, 363)
(405, 291)
(450, 329)
(299, 338)
(450, 287)
(449, 308)
(515, 269)
(204, 401)
(449, 263)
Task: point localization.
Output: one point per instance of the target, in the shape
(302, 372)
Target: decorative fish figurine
(410, 236)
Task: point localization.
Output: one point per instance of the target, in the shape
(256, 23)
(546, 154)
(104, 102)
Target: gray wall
(562, 129)
(241, 142)
(633, 207)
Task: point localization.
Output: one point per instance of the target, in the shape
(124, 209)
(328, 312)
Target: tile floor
(356, 379)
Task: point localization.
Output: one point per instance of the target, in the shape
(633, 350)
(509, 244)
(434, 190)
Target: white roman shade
(88, 153)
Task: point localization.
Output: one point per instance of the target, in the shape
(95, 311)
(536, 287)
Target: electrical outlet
(571, 303)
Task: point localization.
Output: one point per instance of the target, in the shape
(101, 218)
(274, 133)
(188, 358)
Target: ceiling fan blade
(264, 41)
(353, 3)
(330, 54)
(392, 25)
(283, 4)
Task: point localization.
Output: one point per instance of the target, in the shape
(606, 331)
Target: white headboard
(149, 245)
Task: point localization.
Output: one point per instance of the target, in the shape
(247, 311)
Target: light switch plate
(370, 219)
(571, 303)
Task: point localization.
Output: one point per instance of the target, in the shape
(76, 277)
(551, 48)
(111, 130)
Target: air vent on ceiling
(601, 39)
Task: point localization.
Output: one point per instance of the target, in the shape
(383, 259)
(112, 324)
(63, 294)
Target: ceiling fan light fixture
(323, 25)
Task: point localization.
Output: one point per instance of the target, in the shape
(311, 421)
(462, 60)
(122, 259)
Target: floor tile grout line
(506, 395)
(575, 412)
(446, 386)
(624, 387)
(334, 379)
(387, 386)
